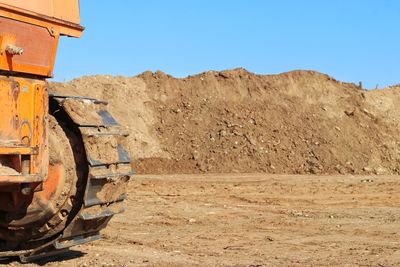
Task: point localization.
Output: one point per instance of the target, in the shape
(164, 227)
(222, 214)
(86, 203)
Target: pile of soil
(236, 121)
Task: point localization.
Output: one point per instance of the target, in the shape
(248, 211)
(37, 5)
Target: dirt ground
(300, 122)
(250, 220)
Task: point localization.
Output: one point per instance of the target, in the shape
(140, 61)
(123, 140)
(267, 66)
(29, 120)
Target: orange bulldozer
(63, 162)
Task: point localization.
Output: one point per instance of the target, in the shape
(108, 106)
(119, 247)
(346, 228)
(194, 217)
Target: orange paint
(35, 27)
(29, 36)
(23, 123)
(51, 185)
(67, 10)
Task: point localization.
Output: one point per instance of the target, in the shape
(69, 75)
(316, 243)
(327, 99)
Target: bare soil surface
(298, 122)
(250, 220)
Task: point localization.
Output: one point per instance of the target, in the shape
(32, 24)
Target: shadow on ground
(62, 257)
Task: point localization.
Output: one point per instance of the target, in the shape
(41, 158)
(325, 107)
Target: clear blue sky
(352, 40)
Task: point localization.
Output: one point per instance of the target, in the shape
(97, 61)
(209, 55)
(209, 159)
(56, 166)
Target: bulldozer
(64, 165)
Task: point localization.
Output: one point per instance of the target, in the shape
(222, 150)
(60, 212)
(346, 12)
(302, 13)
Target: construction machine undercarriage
(63, 162)
(87, 175)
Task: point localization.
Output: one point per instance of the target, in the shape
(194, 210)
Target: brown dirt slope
(237, 121)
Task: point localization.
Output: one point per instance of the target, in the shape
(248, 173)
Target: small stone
(381, 170)
(269, 238)
(222, 133)
(367, 169)
(367, 181)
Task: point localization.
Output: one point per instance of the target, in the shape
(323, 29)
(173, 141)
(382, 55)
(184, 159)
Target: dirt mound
(128, 100)
(237, 121)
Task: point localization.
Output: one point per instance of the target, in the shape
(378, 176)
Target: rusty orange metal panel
(40, 129)
(15, 150)
(23, 121)
(30, 32)
(56, 25)
(38, 48)
(67, 10)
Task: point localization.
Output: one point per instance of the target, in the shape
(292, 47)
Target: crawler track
(102, 167)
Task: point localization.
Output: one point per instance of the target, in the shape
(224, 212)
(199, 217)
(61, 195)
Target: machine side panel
(67, 10)
(23, 125)
(38, 46)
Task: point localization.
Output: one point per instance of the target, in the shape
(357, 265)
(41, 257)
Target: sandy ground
(250, 220)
